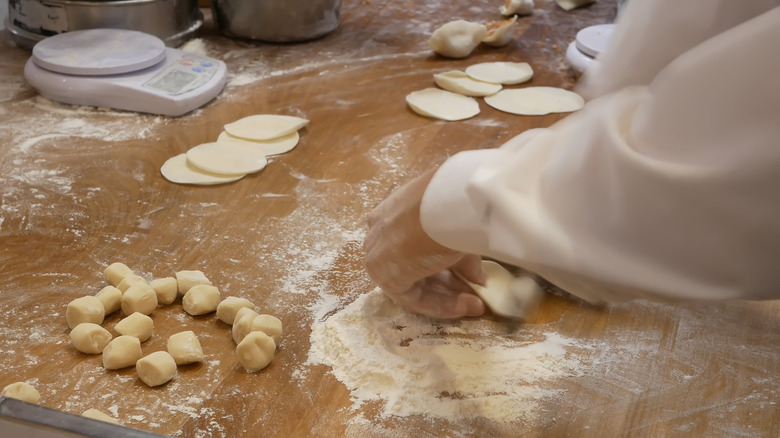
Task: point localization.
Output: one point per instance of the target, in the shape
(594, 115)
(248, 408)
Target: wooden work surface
(81, 188)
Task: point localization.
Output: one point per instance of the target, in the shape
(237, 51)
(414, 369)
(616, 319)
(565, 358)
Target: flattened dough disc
(535, 101)
(507, 73)
(178, 170)
(505, 294)
(274, 146)
(461, 83)
(265, 126)
(441, 104)
(216, 158)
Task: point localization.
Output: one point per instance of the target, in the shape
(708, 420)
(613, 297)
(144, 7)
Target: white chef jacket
(666, 185)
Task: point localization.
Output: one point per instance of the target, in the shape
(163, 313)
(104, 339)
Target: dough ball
(85, 309)
(111, 297)
(22, 391)
(156, 368)
(265, 126)
(137, 325)
(499, 33)
(185, 348)
(116, 272)
(256, 351)
(167, 290)
(242, 325)
(128, 281)
(180, 171)
(186, 279)
(520, 7)
(268, 324)
(97, 415)
(457, 39)
(139, 298)
(121, 352)
(441, 104)
(201, 299)
(227, 308)
(90, 338)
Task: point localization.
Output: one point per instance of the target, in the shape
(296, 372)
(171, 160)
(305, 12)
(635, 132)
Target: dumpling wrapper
(217, 158)
(505, 294)
(442, 104)
(499, 33)
(461, 83)
(536, 101)
(178, 170)
(267, 148)
(507, 73)
(568, 5)
(457, 39)
(265, 126)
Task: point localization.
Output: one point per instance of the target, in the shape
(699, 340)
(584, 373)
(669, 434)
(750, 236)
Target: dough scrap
(22, 391)
(256, 351)
(137, 325)
(167, 290)
(227, 308)
(90, 338)
(178, 170)
(111, 298)
(116, 272)
(520, 7)
(201, 299)
(499, 33)
(97, 415)
(274, 146)
(461, 83)
(185, 348)
(128, 281)
(568, 5)
(457, 39)
(122, 352)
(218, 158)
(442, 104)
(507, 73)
(265, 126)
(139, 298)
(187, 279)
(156, 368)
(268, 324)
(505, 294)
(85, 309)
(535, 101)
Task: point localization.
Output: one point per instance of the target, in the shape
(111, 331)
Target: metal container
(276, 20)
(173, 21)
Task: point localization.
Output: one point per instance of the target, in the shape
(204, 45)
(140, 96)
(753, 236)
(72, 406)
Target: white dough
(256, 351)
(185, 348)
(123, 351)
(506, 295)
(227, 308)
(520, 7)
(535, 101)
(217, 158)
(499, 33)
(268, 324)
(442, 104)
(22, 391)
(116, 272)
(90, 338)
(242, 325)
(186, 279)
(156, 368)
(507, 73)
(137, 324)
(128, 281)
(167, 290)
(265, 148)
(178, 170)
(461, 83)
(201, 299)
(85, 309)
(97, 415)
(139, 298)
(265, 126)
(457, 39)
(111, 298)
(568, 5)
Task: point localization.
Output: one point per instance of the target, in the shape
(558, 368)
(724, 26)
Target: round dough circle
(461, 83)
(507, 73)
(265, 126)
(274, 146)
(535, 101)
(216, 158)
(442, 104)
(178, 170)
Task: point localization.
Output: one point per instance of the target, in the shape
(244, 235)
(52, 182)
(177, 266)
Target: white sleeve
(666, 191)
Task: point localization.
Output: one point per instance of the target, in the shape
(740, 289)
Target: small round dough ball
(90, 338)
(122, 352)
(185, 348)
(111, 298)
(97, 415)
(188, 279)
(22, 391)
(227, 308)
(85, 309)
(137, 325)
(116, 272)
(139, 298)
(129, 281)
(256, 351)
(268, 324)
(167, 290)
(156, 368)
(201, 299)
(242, 326)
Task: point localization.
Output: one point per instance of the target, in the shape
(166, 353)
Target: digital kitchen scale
(589, 43)
(123, 69)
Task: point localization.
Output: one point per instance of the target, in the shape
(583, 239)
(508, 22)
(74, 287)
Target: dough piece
(274, 146)
(186, 279)
(506, 295)
(568, 5)
(535, 101)
(85, 309)
(227, 308)
(242, 325)
(167, 290)
(111, 298)
(156, 368)
(499, 33)
(441, 104)
(520, 7)
(461, 83)
(457, 39)
(256, 351)
(201, 299)
(90, 338)
(22, 391)
(265, 126)
(123, 351)
(137, 325)
(97, 415)
(217, 158)
(178, 170)
(128, 281)
(139, 298)
(270, 325)
(185, 348)
(507, 73)
(116, 272)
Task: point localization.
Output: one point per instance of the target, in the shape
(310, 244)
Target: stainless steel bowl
(276, 20)
(173, 21)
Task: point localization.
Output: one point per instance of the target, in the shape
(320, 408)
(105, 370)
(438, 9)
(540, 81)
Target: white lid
(594, 39)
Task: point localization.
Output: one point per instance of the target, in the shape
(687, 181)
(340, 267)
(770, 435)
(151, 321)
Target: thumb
(470, 268)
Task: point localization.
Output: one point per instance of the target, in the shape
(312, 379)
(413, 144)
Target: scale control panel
(186, 74)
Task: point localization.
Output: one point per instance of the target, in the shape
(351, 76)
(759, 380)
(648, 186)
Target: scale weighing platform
(589, 44)
(123, 69)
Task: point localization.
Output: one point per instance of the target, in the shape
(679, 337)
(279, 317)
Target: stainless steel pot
(276, 20)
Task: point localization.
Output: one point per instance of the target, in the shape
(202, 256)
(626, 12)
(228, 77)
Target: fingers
(470, 268)
(440, 296)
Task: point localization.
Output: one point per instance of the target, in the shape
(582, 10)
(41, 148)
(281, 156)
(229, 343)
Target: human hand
(417, 273)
